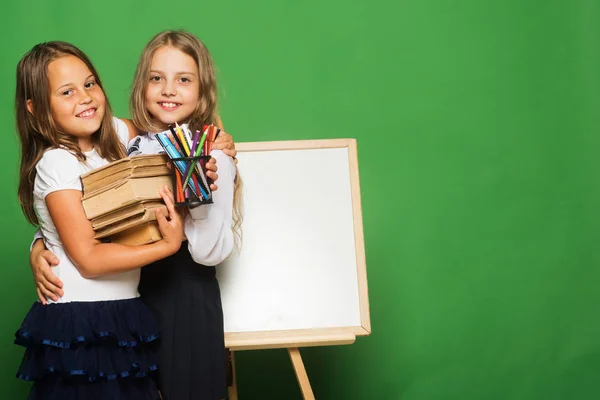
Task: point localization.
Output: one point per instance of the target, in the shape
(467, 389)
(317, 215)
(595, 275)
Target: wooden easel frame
(294, 339)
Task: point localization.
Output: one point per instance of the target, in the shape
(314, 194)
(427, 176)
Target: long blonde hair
(206, 111)
(38, 131)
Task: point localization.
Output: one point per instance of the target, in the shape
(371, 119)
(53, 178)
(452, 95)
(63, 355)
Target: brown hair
(37, 130)
(206, 111)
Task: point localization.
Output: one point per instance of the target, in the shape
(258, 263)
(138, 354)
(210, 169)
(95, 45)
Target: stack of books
(120, 198)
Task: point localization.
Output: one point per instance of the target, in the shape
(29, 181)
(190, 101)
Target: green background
(478, 133)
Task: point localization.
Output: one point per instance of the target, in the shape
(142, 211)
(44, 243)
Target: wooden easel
(232, 390)
(292, 341)
(301, 375)
(307, 331)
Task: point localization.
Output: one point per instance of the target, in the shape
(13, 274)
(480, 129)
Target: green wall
(478, 133)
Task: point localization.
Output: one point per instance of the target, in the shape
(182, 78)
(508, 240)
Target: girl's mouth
(168, 106)
(89, 113)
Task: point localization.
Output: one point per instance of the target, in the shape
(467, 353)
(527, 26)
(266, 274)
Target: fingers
(169, 200)
(163, 224)
(212, 176)
(231, 153)
(41, 296)
(55, 282)
(51, 282)
(211, 165)
(221, 138)
(224, 138)
(47, 292)
(171, 231)
(224, 141)
(228, 146)
(50, 258)
(48, 285)
(211, 173)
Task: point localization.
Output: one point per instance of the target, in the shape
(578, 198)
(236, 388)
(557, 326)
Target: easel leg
(232, 390)
(301, 375)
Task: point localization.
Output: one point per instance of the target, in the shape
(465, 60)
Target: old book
(138, 172)
(124, 193)
(128, 223)
(131, 167)
(142, 234)
(124, 213)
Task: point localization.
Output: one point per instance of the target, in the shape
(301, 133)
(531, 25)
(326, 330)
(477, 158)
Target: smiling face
(173, 92)
(77, 103)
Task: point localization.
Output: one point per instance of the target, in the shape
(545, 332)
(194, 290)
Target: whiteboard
(300, 277)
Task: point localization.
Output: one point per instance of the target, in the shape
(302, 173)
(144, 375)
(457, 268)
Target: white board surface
(298, 268)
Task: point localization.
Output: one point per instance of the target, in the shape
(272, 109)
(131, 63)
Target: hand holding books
(120, 198)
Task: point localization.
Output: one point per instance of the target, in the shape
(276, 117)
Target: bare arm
(133, 130)
(94, 258)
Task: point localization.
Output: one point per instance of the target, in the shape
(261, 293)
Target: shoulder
(144, 143)
(57, 158)
(140, 145)
(125, 129)
(57, 169)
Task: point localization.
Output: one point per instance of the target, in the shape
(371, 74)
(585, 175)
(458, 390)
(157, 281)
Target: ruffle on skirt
(118, 389)
(88, 342)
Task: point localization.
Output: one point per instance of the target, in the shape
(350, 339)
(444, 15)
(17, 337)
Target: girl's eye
(90, 84)
(155, 78)
(185, 80)
(67, 92)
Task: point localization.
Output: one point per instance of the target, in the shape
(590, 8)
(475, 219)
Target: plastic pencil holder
(191, 186)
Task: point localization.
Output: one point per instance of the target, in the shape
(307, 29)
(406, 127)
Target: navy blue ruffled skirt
(90, 350)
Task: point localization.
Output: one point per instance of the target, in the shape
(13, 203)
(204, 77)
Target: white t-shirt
(59, 169)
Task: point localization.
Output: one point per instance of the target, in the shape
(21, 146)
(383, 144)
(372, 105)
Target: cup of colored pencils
(192, 187)
(189, 153)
